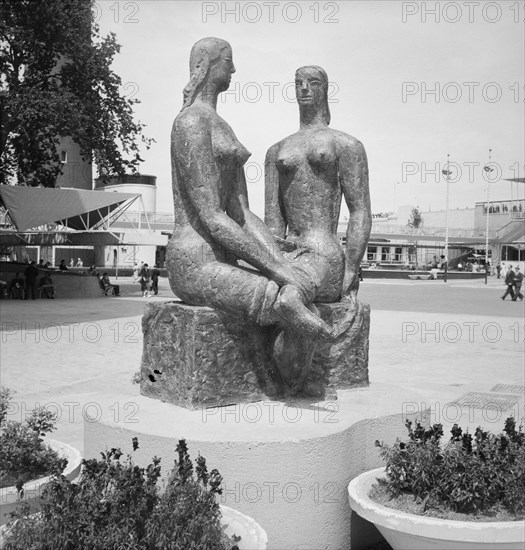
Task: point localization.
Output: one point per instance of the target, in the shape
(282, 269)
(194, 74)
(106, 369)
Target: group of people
(64, 267)
(21, 288)
(149, 279)
(513, 282)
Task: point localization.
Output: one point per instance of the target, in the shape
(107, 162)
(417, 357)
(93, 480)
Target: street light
(488, 170)
(446, 172)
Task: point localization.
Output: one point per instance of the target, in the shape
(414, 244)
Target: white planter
(405, 531)
(9, 496)
(253, 536)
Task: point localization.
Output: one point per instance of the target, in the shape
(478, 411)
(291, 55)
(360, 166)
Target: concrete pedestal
(287, 465)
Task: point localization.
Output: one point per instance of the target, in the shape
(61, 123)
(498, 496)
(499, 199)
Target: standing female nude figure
(214, 227)
(307, 174)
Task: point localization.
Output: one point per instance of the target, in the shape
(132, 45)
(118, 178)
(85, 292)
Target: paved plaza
(455, 344)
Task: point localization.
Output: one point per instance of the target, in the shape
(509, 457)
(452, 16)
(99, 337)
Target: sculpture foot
(292, 357)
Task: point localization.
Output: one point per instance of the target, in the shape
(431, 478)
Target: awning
(30, 207)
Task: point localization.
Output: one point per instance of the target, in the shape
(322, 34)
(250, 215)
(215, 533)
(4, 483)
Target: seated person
(16, 289)
(108, 285)
(46, 285)
(3, 289)
(62, 266)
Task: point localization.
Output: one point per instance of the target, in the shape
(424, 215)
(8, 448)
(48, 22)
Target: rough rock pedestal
(194, 357)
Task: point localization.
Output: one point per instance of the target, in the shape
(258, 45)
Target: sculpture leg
(295, 316)
(292, 353)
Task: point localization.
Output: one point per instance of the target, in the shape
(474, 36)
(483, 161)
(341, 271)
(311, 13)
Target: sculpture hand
(350, 283)
(350, 297)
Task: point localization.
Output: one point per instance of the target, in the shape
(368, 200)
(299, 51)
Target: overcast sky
(414, 81)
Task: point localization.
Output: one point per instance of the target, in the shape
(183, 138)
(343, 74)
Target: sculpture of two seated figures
(268, 310)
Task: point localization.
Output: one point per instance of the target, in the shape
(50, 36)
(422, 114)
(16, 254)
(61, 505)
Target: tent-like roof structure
(31, 207)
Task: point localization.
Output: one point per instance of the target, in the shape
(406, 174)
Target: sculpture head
(311, 90)
(211, 64)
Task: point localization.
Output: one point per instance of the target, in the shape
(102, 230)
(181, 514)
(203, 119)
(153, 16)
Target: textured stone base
(195, 358)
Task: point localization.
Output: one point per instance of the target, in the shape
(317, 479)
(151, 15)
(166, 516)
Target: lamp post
(488, 170)
(446, 172)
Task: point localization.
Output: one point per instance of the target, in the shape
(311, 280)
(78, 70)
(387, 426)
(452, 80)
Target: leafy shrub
(470, 474)
(23, 454)
(118, 505)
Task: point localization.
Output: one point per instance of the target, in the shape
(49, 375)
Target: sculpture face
(221, 71)
(309, 87)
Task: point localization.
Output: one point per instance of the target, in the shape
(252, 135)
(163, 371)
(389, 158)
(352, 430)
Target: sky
(413, 81)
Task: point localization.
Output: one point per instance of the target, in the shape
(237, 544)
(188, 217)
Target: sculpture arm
(353, 174)
(274, 211)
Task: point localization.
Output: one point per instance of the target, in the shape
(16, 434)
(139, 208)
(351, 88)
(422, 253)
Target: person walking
(155, 274)
(509, 281)
(31, 273)
(145, 276)
(518, 281)
(498, 270)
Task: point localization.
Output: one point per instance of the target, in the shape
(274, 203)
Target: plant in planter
(470, 490)
(23, 454)
(117, 504)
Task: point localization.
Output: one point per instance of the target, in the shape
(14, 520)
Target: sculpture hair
(324, 78)
(204, 54)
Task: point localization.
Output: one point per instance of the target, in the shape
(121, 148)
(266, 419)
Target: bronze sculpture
(275, 285)
(307, 174)
(214, 227)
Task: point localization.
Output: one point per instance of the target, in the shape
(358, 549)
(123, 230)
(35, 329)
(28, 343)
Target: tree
(415, 219)
(56, 81)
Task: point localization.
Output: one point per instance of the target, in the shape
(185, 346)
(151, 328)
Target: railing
(515, 223)
(391, 229)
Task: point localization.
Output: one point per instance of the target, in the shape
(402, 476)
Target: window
(385, 253)
(371, 253)
(398, 255)
(63, 157)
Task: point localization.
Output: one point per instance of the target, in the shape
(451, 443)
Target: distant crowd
(22, 288)
(497, 209)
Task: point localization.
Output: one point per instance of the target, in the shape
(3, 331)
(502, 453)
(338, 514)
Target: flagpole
(488, 170)
(446, 173)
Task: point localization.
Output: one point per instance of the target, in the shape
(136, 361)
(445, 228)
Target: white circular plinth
(287, 465)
